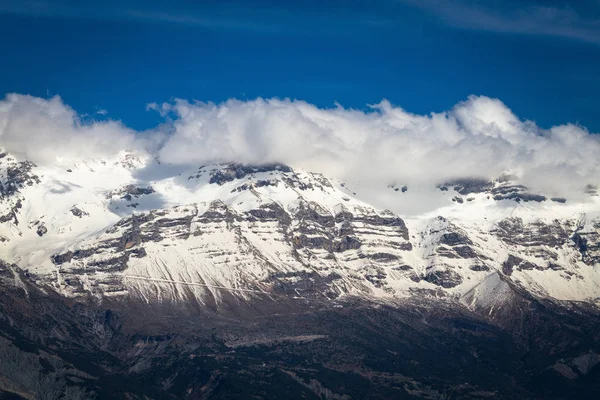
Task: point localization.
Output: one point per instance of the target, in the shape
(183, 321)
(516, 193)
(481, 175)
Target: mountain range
(126, 277)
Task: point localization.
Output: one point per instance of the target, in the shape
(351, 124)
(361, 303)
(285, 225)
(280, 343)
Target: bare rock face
(469, 185)
(455, 245)
(41, 229)
(538, 238)
(556, 248)
(76, 211)
(515, 262)
(502, 188)
(444, 278)
(587, 241)
(234, 171)
(450, 253)
(13, 210)
(130, 194)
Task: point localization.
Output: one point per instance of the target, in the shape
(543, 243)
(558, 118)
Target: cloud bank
(480, 137)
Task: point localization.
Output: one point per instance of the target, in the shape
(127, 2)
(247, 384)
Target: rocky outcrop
(130, 194)
(503, 188)
(467, 186)
(79, 213)
(232, 171)
(16, 176)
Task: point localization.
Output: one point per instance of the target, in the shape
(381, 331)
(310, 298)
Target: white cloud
(479, 137)
(44, 129)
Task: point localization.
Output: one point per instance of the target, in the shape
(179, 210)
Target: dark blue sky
(541, 58)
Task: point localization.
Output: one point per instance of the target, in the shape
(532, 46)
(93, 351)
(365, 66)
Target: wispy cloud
(567, 21)
(574, 20)
(234, 16)
(129, 11)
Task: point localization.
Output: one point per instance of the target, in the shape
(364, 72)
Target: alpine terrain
(126, 277)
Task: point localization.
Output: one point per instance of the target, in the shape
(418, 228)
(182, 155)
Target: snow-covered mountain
(131, 278)
(132, 227)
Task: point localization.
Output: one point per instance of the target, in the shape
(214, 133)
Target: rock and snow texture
(131, 226)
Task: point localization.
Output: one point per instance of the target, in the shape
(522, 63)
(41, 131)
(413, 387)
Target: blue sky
(541, 58)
